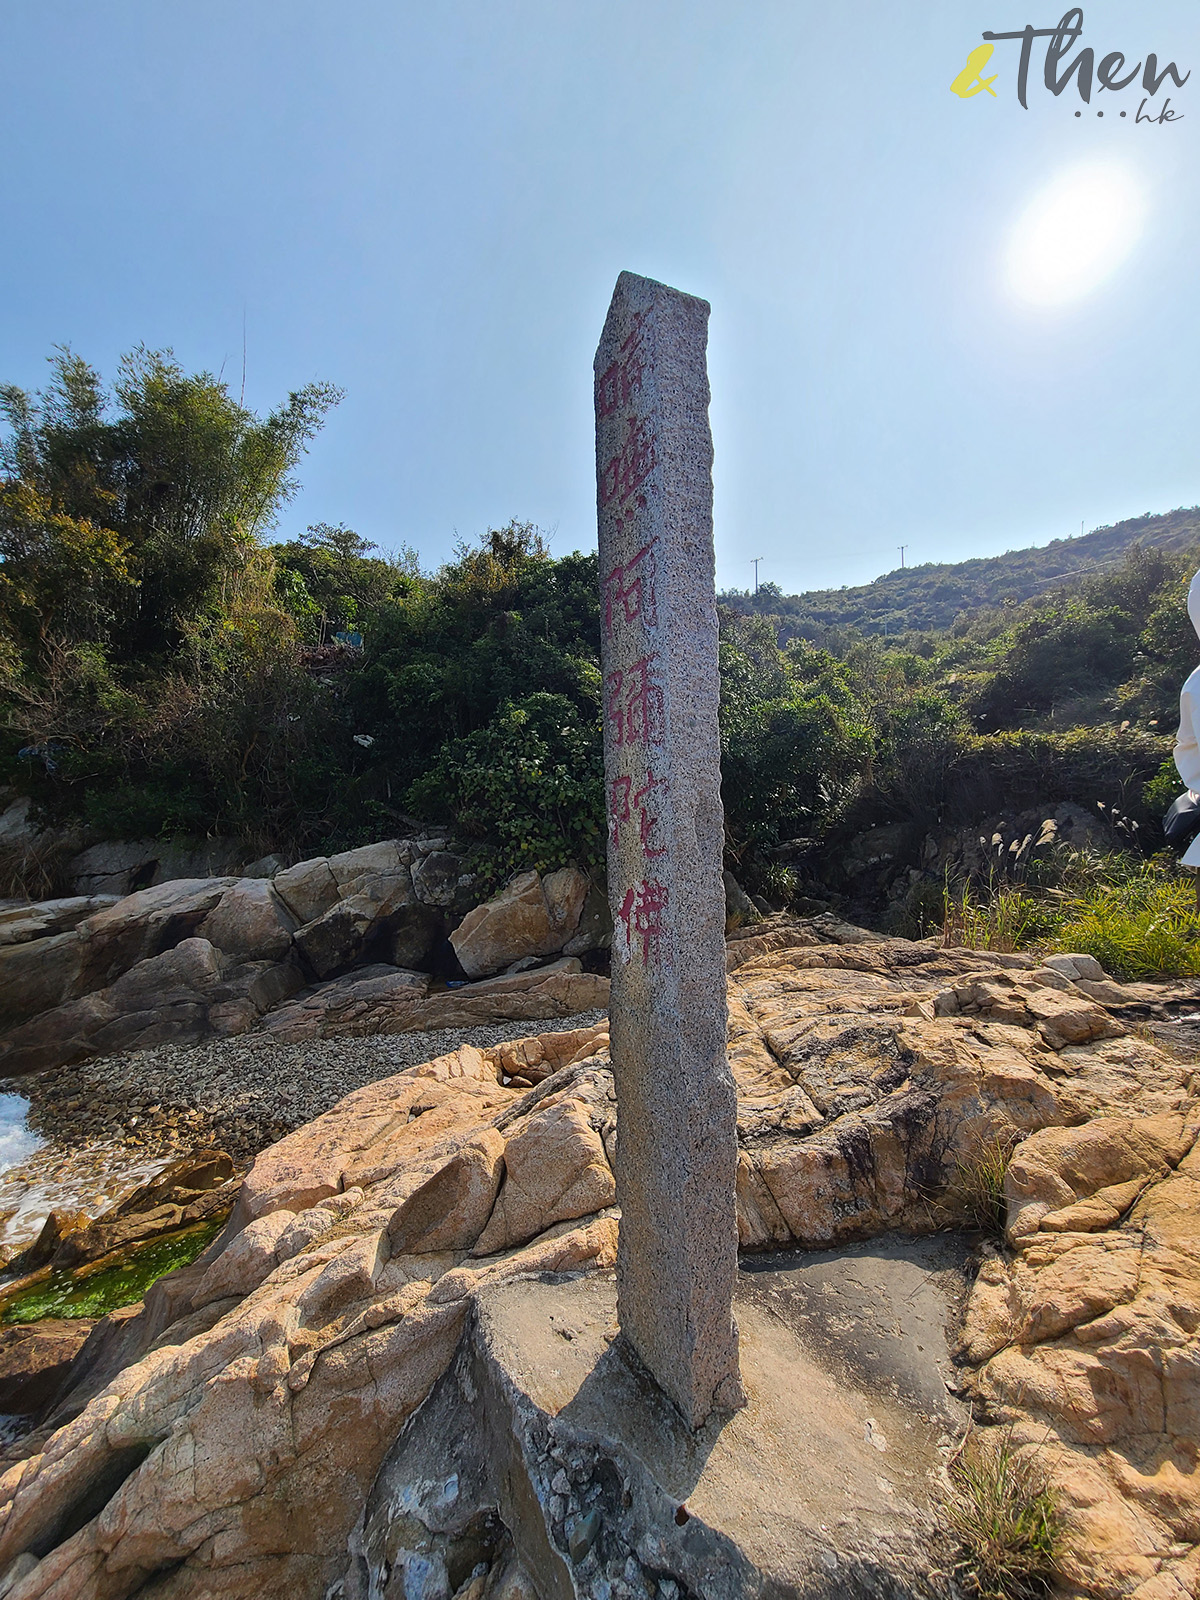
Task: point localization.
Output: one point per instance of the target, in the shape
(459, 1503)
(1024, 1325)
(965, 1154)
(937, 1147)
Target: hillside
(931, 596)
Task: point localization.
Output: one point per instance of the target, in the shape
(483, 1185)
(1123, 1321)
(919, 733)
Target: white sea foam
(17, 1141)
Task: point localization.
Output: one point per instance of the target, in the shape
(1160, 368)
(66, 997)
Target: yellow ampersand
(969, 80)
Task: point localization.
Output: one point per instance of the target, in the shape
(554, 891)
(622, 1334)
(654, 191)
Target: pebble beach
(95, 1130)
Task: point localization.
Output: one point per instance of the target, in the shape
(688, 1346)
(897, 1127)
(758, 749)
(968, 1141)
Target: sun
(1075, 233)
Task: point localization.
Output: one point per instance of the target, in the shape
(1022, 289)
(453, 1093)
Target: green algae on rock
(95, 1290)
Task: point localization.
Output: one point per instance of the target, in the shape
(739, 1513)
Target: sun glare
(1075, 233)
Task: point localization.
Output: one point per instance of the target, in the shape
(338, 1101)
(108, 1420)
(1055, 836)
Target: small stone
(583, 1536)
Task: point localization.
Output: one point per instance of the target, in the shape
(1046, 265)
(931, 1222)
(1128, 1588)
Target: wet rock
(122, 1230)
(35, 1358)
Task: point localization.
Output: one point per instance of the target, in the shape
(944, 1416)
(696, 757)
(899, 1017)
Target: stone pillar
(677, 1120)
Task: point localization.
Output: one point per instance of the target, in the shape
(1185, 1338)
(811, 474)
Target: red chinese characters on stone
(631, 806)
(629, 590)
(635, 705)
(616, 387)
(641, 915)
(631, 466)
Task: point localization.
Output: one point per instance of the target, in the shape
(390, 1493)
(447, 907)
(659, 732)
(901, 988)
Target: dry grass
(977, 1187)
(37, 868)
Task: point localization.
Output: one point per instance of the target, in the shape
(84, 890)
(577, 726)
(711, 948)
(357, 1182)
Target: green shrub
(531, 784)
(1018, 769)
(1163, 788)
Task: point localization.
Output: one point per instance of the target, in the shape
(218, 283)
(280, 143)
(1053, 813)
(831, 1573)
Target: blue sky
(429, 205)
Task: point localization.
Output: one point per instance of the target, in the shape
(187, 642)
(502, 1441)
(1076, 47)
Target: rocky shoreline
(448, 1229)
(110, 1121)
(240, 1094)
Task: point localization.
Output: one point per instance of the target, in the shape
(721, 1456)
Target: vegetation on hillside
(166, 670)
(935, 594)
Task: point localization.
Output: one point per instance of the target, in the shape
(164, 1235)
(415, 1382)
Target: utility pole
(902, 548)
(754, 564)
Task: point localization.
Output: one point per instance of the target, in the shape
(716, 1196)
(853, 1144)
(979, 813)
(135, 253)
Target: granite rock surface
(225, 1438)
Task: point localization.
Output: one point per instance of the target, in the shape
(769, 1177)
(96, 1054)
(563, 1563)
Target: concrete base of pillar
(547, 1463)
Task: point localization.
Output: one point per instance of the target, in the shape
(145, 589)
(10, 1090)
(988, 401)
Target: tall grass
(977, 1187)
(1139, 918)
(1003, 919)
(1005, 1521)
(1138, 929)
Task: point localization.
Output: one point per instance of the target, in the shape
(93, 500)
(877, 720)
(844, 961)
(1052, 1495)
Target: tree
(124, 516)
(328, 580)
(143, 650)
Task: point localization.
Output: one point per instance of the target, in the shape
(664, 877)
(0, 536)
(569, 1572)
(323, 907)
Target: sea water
(17, 1140)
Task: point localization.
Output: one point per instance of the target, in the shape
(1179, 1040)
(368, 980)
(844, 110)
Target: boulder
(335, 940)
(367, 863)
(436, 878)
(385, 1000)
(115, 866)
(414, 933)
(15, 826)
(323, 1010)
(1082, 1345)
(120, 866)
(251, 921)
(594, 929)
(308, 889)
(1078, 1180)
(38, 974)
(35, 1358)
(188, 992)
(1004, 844)
(739, 908)
(20, 924)
(530, 916)
(143, 925)
(555, 1169)
(450, 1210)
(340, 937)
